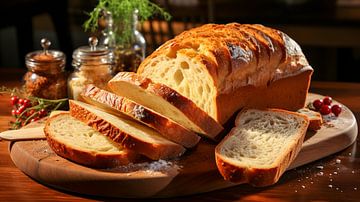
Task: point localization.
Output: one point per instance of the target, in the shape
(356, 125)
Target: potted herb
(121, 18)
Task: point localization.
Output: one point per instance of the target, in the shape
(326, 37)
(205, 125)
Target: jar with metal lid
(92, 65)
(46, 77)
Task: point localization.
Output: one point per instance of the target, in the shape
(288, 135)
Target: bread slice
(165, 101)
(74, 140)
(261, 146)
(127, 133)
(115, 104)
(315, 118)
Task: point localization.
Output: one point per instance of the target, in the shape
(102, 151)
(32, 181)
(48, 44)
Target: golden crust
(206, 123)
(86, 158)
(128, 141)
(238, 56)
(259, 177)
(165, 126)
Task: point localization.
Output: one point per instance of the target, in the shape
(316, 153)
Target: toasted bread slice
(127, 133)
(261, 146)
(74, 140)
(117, 104)
(165, 101)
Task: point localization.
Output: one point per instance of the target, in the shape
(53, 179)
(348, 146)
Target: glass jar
(128, 54)
(46, 77)
(92, 65)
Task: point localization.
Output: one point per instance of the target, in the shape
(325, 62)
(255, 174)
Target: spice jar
(92, 65)
(46, 77)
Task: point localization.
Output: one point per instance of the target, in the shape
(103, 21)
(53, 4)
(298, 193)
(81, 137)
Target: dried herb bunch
(122, 12)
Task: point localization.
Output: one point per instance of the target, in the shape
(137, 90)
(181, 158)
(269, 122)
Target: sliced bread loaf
(165, 101)
(129, 134)
(261, 146)
(74, 140)
(115, 104)
(315, 118)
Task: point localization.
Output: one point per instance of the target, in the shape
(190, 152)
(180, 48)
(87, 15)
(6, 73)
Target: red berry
(34, 119)
(27, 103)
(325, 109)
(21, 101)
(14, 100)
(20, 110)
(42, 113)
(336, 109)
(30, 112)
(327, 100)
(13, 112)
(317, 104)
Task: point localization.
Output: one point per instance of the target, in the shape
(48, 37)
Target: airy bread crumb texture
(260, 137)
(69, 130)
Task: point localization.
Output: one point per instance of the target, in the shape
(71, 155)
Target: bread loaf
(116, 104)
(165, 101)
(223, 68)
(80, 143)
(261, 146)
(129, 134)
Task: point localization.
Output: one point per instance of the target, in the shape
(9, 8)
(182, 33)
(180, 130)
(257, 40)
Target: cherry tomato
(336, 109)
(14, 100)
(317, 104)
(325, 109)
(327, 100)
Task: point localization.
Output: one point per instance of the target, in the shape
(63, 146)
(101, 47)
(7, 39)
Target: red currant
(34, 119)
(327, 100)
(42, 113)
(30, 112)
(317, 104)
(27, 103)
(13, 112)
(20, 110)
(21, 101)
(336, 109)
(325, 109)
(14, 100)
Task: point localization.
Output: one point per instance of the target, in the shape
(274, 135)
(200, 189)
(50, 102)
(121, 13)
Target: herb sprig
(122, 12)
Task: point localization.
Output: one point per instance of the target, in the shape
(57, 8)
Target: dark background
(327, 30)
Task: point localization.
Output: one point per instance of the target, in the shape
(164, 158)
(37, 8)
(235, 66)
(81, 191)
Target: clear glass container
(128, 55)
(92, 65)
(46, 77)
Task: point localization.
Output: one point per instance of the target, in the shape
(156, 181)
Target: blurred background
(327, 30)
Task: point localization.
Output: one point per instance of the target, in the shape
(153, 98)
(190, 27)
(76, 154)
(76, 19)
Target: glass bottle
(128, 55)
(92, 65)
(46, 77)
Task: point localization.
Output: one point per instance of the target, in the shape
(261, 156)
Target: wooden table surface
(334, 178)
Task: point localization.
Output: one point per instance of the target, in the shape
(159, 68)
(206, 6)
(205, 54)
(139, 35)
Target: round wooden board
(195, 172)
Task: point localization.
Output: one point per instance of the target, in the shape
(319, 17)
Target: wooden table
(335, 178)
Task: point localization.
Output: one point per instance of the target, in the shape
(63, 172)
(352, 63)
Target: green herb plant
(122, 12)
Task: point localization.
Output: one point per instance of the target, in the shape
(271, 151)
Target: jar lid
(45, 56)
(93, 53)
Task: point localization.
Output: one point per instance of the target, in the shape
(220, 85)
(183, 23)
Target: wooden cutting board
(193, 173)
